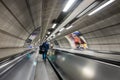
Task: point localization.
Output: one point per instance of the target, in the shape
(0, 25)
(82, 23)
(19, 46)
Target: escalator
(27, 67)
(63, 65)
(72, 66)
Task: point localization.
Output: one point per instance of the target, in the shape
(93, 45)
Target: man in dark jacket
(45, 47)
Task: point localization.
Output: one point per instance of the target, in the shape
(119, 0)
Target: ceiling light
(68, 5)
(101, 7)
(69, 27)
(50, 38)
(53, 36)
(48, 32)
(54, 25)
(61, 29)
(59, 33)
(89, 8)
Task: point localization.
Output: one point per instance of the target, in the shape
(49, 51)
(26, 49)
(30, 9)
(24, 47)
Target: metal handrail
(8, 64)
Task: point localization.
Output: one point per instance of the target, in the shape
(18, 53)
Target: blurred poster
(78, 40)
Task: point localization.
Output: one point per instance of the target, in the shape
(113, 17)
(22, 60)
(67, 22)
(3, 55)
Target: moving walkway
(63, 65)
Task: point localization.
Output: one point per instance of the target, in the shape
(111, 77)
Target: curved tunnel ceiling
(100, 30)
(19, 18)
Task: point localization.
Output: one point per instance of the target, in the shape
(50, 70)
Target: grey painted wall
(63, 42)
(104, 35)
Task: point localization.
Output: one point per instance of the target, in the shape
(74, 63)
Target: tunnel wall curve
(15, 27)
(104, 35)
(64, 43)
(101, 30)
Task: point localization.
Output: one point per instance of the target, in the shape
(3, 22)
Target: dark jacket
(45, 45)
(43, 48)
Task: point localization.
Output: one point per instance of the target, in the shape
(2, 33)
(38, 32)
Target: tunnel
(82, 38)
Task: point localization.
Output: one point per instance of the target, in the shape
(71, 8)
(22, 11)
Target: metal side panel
(81, 68)
(22, 71)
(104, 55)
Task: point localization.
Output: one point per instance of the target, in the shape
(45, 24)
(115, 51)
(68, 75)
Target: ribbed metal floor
(28, 70)
(44, 71)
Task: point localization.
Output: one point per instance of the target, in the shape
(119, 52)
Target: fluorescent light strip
(101, 7)
(53, 36)
(68, 5)
(61, 29)
(69, 27)
(89, 8)
(54, 25)
(48, 32)
(59, 33)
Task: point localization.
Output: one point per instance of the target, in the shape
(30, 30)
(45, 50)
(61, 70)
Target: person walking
(45, 48)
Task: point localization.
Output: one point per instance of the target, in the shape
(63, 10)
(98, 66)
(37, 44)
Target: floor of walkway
(44, 71)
